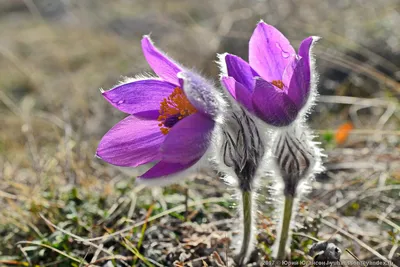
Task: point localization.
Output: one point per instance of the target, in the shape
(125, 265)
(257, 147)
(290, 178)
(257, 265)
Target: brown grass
(52, 63)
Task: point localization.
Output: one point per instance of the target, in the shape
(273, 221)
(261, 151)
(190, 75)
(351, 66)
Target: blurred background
(56, 54)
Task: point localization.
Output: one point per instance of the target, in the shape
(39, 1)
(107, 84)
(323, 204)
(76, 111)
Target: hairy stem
(284, 235)
(247, 226)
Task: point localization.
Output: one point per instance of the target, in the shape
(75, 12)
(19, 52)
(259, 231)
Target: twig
(354, 256)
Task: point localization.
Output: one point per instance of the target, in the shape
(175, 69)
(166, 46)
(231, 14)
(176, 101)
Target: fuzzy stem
(247, 226)
(287, 216)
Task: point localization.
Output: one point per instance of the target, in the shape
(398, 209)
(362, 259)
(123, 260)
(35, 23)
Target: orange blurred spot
(342, 133)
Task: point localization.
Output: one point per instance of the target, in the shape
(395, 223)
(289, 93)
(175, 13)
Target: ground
(61, 206)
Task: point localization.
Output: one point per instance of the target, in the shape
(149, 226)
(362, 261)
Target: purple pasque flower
(171, 122)
(276, 83)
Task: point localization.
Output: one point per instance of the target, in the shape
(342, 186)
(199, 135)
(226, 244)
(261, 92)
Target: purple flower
(276, 83)
(172, 118)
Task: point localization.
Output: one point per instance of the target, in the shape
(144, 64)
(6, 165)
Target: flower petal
(188, 140)
(306, 46)
(299, 87)
(240, 70)
(148, 115)
(162, 169)
(272, 104)
(269, 52)
(305, 52)
(201, 93)
(164, 67)
(139, 96)
(131, 142)
(288, 72)
(238, 91)
(300, 84)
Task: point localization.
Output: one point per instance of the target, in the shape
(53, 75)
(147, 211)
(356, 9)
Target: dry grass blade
(387, 221)
(78, 238)
(116, 257)
(54, 249)
(361, 243)
(136, 252)
(218, 259)
(355, 257)
(155, 217)
(360, 68)
(350, 100)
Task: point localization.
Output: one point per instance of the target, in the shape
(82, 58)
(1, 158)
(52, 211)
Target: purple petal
(305, 47)
(240, 70)
(288, 72)
(305, 52)
(272, 104)
(139, 96)
(299, 87)
(131, 142)
(269, 52)
(238, 91)
(148, 115)
(201, 93)
(188, 140)
(163, 168)
(160, 63)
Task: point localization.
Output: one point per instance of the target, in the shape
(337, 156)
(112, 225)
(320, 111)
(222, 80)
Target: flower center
(174, 108)
(278, 83)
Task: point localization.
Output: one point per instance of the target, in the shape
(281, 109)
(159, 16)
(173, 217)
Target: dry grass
(60, 206)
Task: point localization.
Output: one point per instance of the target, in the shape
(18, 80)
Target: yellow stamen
(175, 107)
(278, 83)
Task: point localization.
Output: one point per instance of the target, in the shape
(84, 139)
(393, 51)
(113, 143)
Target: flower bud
(296, 157)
